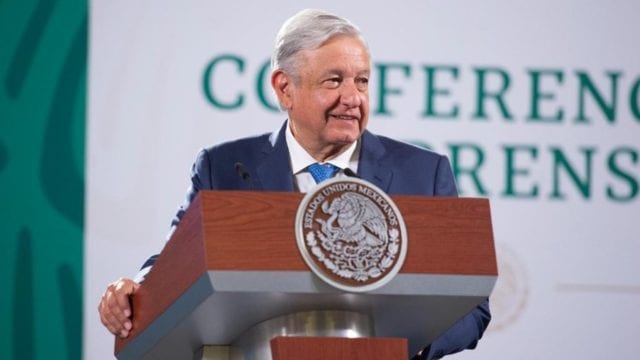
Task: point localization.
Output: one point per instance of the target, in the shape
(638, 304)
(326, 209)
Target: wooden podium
(231, 275)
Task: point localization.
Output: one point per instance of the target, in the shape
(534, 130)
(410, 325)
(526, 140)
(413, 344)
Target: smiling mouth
(344, 117)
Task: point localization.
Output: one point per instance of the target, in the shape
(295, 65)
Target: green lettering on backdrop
(560, 161)
(484, 94)
(208, 81)
(634, 99)
(538, 95)
(468, 151)
(512, 171)
(383, 90)
(263, 87)
(42, 126)
(623, 174)
(586, 85)
(433, 91)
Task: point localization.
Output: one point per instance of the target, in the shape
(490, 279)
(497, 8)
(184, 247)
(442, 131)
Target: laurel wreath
(374, 272)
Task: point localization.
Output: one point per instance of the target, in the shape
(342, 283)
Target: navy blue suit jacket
(393, 166)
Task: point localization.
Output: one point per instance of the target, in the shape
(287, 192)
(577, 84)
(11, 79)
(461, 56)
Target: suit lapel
(274, 170)
(371, 166)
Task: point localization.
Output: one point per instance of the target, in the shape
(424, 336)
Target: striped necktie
(322, 172)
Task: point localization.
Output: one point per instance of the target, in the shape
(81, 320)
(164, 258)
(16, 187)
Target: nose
(350, 95)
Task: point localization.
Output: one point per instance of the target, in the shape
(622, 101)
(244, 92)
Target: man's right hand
(115, 309)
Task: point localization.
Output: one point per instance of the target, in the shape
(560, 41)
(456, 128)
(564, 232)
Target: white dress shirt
(300, 159)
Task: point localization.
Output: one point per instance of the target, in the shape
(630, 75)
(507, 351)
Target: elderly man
(320, 74)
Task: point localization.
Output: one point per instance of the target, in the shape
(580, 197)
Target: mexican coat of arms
(351, 234)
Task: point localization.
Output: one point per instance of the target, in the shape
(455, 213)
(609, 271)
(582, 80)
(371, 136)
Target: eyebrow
(335, 71)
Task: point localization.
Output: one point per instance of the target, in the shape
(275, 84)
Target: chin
(348, 138)
(348, 131)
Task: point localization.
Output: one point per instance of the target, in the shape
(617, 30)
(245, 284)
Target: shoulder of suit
(245, 142)
(398, 146)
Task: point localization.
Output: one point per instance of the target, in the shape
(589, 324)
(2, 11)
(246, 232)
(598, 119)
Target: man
(320, 74)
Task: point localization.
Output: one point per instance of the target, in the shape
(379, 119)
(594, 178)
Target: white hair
(308, 30)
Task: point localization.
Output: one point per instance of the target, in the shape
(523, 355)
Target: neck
(322, 154)
(318, 151)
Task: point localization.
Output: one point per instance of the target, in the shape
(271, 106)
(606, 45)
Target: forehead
(339, 52)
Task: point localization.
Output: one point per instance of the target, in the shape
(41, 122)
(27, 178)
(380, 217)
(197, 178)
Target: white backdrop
(569, 283)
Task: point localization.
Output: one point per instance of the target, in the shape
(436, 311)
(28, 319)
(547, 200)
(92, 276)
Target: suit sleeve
(200, 179)
(445, 182)
(467, 331)
(463, 335)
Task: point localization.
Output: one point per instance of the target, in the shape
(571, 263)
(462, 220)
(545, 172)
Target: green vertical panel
(43, 52)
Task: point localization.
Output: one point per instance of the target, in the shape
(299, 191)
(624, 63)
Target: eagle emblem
(351, 234)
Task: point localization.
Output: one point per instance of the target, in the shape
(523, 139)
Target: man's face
(329, 104)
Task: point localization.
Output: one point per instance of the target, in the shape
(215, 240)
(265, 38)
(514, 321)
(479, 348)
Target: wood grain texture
(233, 230)
(181, 262)
(325, 348)
(256, 232)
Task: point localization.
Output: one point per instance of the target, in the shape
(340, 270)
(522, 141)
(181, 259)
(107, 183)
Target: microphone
(242, 171)
(350, 173)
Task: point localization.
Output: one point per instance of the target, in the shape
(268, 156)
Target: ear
(282, 86)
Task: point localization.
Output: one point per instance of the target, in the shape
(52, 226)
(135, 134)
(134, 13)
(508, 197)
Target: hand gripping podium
(231, 284)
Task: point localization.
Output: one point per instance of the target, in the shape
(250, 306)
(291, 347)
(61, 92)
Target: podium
(231, 281)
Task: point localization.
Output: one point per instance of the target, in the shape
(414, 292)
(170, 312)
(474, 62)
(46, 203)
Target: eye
(332, 82)
(362, 82)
